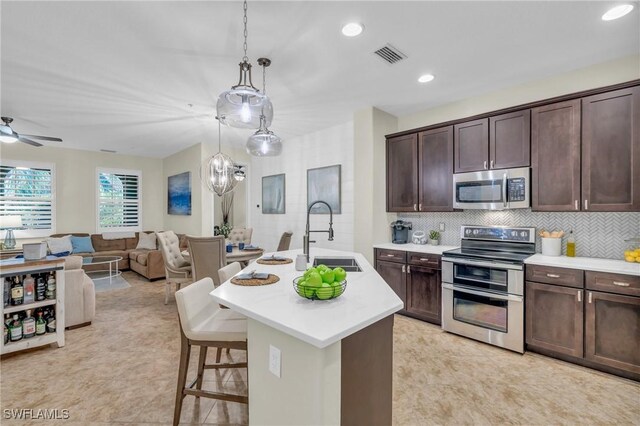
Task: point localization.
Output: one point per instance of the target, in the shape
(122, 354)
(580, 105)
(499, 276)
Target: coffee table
(103, 274)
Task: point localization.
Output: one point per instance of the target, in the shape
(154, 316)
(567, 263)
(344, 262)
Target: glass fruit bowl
(319, 293)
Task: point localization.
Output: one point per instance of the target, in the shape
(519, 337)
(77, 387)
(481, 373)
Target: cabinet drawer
(557, 276)
(424, 259)
(392, 255)
(613, 283)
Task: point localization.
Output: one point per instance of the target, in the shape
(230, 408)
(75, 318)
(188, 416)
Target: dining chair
(240, 235)
(285, 241)
(204, 324)
(176, 268)
(229, 271)
(208, 255)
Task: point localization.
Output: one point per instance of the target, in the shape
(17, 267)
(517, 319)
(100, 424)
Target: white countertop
(586, 263)
(420, 248)
(366, 300)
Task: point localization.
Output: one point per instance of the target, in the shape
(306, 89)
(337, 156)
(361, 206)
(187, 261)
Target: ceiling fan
(8, 135)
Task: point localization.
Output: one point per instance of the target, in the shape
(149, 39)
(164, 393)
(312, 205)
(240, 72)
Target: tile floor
(122, 370)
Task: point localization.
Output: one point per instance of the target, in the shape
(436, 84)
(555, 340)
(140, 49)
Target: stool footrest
(217, 395)
(217, 366)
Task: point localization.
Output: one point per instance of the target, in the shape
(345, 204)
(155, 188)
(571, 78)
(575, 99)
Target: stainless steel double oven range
(483, 285)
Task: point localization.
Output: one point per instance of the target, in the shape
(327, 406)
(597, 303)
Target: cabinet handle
(590, 297)
(553, 276)
(621, 284)
(579, 295)
(420, 207)
(491, 165)
(390, 255)
(485, 164)
(586, 204)
(577, 206)
(408, 269)
(403, 269)
(415, 207)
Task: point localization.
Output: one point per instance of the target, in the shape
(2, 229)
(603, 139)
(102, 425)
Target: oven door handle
(504, 190)
(509, 297)
(481, 263)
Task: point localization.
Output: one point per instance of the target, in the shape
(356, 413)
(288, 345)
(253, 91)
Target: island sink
(349, 264)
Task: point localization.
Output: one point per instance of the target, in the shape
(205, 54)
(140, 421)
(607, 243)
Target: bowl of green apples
(321, 283)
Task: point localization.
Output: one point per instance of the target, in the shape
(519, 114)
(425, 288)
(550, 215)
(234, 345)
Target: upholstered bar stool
(177, 269)
(204, 324)
(285, 241)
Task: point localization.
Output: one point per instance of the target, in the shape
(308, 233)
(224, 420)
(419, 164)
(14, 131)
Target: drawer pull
(426, 260)
(621, 283)
(553, 275)
(390, 255)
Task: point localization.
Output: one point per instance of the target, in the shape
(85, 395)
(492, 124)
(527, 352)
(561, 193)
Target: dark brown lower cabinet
(612, 330)
(424, 293)
(394, 275)
(554, 318)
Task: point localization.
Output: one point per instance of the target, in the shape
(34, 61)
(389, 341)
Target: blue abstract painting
(179, 196)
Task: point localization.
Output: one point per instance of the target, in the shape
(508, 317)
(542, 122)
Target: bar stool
(204, 324)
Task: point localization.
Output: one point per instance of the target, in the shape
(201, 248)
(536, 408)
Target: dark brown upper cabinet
(402, 173)
(555, 157)
(509, 140)
(499, 142)
(471, 146)
(611, 151)
(435, 166)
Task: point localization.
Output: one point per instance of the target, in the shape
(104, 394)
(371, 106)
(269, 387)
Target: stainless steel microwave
(492, 189)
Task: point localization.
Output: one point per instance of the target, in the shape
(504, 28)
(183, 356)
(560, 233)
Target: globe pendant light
(243, 105)
(264, 143)
(218, 172)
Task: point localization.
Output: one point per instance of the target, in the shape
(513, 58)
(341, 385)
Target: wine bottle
(41, 325)
(28, 326)
(15, 329)
(41, 288)
(51, 322)
(51, 287)
(29, 289)
(17, 292)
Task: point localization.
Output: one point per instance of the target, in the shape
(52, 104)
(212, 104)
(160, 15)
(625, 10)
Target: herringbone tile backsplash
(597, 234)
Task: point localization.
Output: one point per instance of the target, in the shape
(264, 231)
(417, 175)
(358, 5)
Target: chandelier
(218, 172)
(244, 106)
(264, 143)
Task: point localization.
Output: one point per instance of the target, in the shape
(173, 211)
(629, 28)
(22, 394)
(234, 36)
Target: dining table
(243, 256)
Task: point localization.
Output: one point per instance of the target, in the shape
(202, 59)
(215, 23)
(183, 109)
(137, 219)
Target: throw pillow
(82, 244)
(60, 245)
(147, 241)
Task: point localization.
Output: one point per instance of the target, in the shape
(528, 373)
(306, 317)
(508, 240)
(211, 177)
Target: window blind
(118, 201)
(28, 192)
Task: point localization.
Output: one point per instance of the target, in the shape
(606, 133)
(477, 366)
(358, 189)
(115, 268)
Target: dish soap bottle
(571, 245)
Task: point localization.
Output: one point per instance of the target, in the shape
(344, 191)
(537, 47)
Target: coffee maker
(400, 232)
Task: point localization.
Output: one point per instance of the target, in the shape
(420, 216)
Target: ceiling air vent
(390, 54)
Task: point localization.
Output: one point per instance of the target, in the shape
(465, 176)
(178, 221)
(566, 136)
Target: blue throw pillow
(82, 244)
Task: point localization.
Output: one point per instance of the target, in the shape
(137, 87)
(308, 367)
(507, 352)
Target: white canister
(551, 246)
(301, 262)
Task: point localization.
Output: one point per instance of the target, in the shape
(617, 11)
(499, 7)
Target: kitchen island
(336, 355)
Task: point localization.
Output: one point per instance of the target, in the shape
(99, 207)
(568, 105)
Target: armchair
(79, 294)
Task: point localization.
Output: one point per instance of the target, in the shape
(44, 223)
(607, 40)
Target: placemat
(272, 279)
(274, 262)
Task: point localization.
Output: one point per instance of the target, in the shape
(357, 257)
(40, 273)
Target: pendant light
(218, 172)
(243, 105)
(264, 143)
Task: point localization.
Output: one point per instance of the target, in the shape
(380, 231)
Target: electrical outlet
(274, 361)
(441, 226)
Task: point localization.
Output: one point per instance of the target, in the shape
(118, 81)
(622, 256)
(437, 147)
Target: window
(118, 195)
(27, 190)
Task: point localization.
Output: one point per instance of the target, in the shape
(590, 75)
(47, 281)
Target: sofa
(145, 262)
(79, 294)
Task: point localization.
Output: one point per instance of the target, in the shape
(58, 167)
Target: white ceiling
(120, 75)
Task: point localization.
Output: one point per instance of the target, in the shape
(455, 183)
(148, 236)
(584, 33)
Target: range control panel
(499, 233)
(517, 189)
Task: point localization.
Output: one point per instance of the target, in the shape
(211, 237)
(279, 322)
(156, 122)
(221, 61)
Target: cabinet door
(554, 318)
(471, 146)
(402, 174)
(611, 151)
(510, 140)
(612, 330)
(424, 298)
(395, 275)
(555, 157)
(435, 170)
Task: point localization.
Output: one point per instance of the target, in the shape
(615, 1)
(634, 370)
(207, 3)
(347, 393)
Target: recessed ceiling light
(426, 78)
(352, 29)
(617, 12)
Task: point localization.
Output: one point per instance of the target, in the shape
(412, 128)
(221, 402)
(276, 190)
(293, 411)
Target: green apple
(327, 276)
(339, 274)
(325, 291)
(321, 267)
(304, 290)
(308, 271)
(313, 279)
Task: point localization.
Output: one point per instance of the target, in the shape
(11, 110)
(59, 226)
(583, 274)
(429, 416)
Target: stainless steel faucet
(305, 239)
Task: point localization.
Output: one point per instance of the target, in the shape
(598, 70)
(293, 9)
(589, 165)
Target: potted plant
(434, 238)
(225, 204)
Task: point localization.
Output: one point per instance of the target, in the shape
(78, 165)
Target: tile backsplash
(597, 234)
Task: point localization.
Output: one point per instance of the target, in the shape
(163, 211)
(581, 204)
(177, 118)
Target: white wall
(75, 174)
(327, 147)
